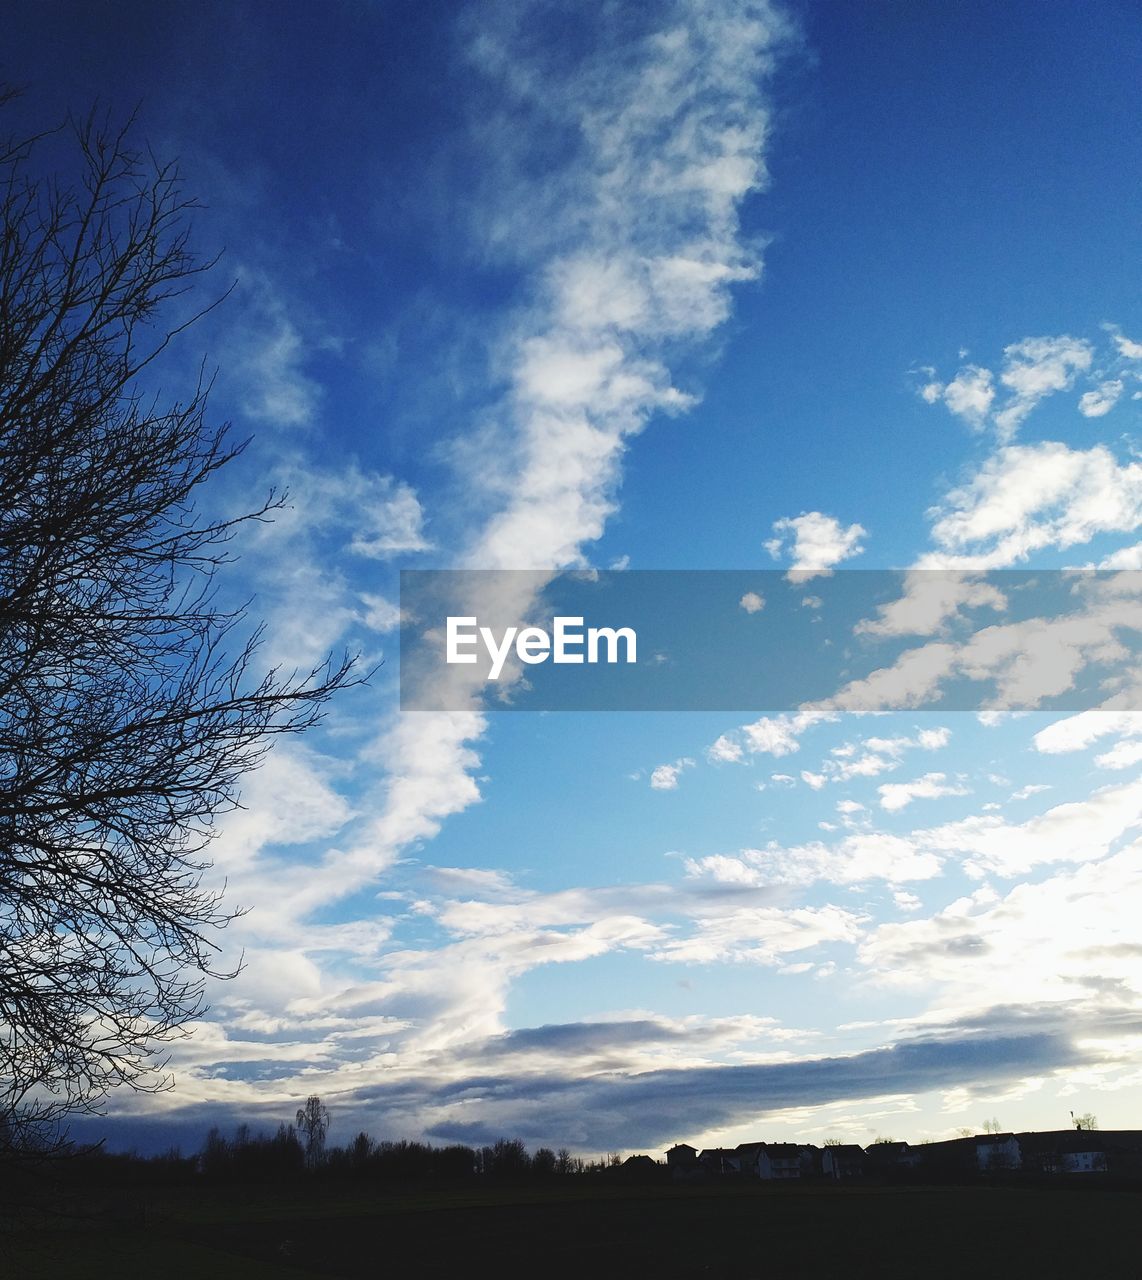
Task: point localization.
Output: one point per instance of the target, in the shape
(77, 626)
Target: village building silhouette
(1058, 1152)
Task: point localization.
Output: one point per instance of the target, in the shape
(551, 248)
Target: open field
(594, 1230)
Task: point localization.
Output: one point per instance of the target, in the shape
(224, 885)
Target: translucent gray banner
(758, 640)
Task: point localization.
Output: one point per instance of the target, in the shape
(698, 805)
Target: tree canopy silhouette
(313, 1125)
(130, 704)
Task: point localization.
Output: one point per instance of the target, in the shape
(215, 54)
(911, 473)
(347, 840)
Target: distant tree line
(286, 1153)
(293, 1152)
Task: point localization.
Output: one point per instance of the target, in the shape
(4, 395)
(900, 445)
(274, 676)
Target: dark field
(593, 1231)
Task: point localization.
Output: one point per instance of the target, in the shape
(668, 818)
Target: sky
(694, 284)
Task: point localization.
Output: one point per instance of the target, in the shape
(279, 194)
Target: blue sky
(701, 284)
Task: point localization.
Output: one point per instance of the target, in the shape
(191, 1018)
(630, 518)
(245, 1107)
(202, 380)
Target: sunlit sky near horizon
(688, 284)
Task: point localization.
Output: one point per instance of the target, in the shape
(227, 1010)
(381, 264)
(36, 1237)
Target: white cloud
(665, 776)
(896, 795)
(1052, 941)
(1077, 732)
(751, 602)
(392, 522)
(289, 800)
(772, 735)
(1121, 756)
(1035, 368)
(852, 860)
(762, 935)
(1031, 789)
(1128, 349)
(636, 255)
(370, 513)
(984, 844)
(779, 735)
(641, 246)
(1026, 498)
(381, 615)
(865, 758)
(725, 751)
(819, 542)
(969, 395)
(1078, 831)
(271, 355)
(931, 598)
(1024, 662)
(865, 765)
(1123, 558)
(869, 757)
(1098, 403)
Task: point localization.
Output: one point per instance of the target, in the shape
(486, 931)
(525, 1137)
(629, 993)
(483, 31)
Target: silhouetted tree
(249, 1157)
(215, 1158)
(1087, 1120)
(507, 1158)
(361, 1151)
(129, 704)
(313, 1125)
(454, 1162)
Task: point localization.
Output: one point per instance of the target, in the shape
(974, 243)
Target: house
(887, 1157)
(719, 1160)
(640, 1168)
(997, 1151)
(844, 1161)
(748, 1153)
(950, 1158)
(1082, 1151)
(682, 1163)
(682, 1156)
(779, 1160)
(1084, 1162)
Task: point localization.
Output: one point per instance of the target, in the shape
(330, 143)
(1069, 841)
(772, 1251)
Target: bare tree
(130, 706)
(313, 1125)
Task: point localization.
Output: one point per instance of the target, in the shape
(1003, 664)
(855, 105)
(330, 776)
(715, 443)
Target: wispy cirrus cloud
(666, 123)
(273, 356)
(984, 844)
